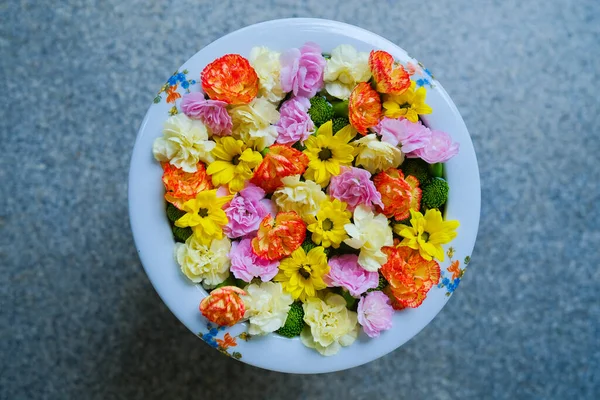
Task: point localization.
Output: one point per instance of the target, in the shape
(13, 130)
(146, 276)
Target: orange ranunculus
(224, 306)
(390, 78)
(231, 79)
(182, 186)
(172, 94)
(455, 269)
(278, 237)
(409, 275)
(364, 107)
(280, 161)
(398, 194)
(227, 341)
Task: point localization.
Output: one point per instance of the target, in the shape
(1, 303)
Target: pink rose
(246, 210)
(294, 124)
(345, 272)
(212, 112)
(245, 264)
(375, 313)
(302, 70)
(439, 149)
(411, 135)
(354, 186)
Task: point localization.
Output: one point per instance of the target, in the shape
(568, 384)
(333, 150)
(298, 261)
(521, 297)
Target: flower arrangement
(305, 192)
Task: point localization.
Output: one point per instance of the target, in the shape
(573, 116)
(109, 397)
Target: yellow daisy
(205, 216)
(328, 225)
(409, 104)
(427, 233)
(301, 274)
(328, 152)
(233, 165)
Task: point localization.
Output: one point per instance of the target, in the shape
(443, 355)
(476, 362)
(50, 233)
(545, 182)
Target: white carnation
(201, 263)
(267, 66)
(344, 70)
(375, 155)
(184, 143)
(267, 307)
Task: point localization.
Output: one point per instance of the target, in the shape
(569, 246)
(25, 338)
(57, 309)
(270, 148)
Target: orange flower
(182, 186)
(398, 194)
(279, 237)
(224, 306)
(390, 78)
(231, 79)
(172, 94)
(227, 341)
(409, 275)
(280, 161)
(364, 107)
(455, 269)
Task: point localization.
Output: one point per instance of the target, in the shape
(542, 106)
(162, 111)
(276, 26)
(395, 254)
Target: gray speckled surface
(78, 317)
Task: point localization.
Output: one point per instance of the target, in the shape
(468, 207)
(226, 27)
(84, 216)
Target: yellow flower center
(235, 160)
(327, 224)
(325, 154)
(425, 236)
(304, 271)
(203, 212)
(405, 105)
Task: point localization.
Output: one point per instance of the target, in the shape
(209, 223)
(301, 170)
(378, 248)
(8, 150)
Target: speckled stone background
(79, 318)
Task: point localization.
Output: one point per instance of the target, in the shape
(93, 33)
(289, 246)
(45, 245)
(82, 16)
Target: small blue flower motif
(422, 82)
(172, 80)
(427, 72)
(185, 84)
(181, 77)
(193, 82)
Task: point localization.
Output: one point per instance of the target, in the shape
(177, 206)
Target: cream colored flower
(369, 233)
(375, 155)
(330, 324)
(267, 66)
(267, 307)
(252, 122)
(344, 70)
(202, 263)
(184, 143)
(302, 197)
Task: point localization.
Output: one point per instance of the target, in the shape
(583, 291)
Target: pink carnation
(294, 124)
(302, 70)
(375, 313)
(354, 186)
(212, 112)
(411, 135)
(438, 149)
(246, 210)
(345, 272)
(246, 265)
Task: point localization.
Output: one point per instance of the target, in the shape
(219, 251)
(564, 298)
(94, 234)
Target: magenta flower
(302, 70)
(375, 313)
(411, 135)
(294, 123)
(212, 112)
(345, 272)
(246, 265)
(246, 210)
(354, 187)
(438, 149)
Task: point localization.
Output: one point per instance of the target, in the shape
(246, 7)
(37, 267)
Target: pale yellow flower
(370, 233)
(376, 156)
(344, 70)
(303, 197)
(253, 123)
(184, 143)
(267, 307)
(208, 264)
(330, 324)
(267, 66)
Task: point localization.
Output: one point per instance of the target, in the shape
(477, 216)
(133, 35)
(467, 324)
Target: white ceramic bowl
(155, 243)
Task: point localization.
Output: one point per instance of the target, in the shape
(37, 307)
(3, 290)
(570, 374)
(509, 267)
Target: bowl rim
(152, 233)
